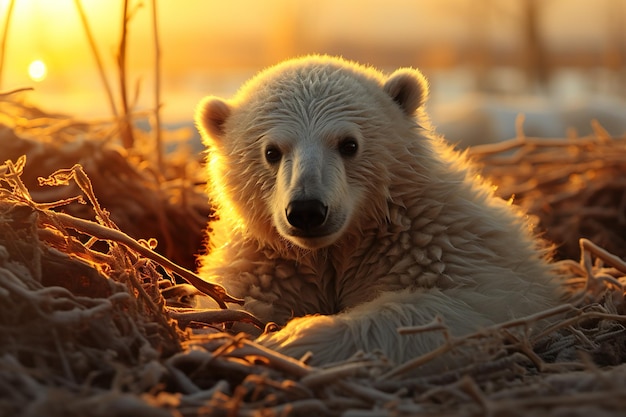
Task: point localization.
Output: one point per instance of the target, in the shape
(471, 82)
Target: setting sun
(37, 70)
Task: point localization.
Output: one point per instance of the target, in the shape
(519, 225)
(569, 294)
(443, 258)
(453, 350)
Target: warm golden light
(37, 70)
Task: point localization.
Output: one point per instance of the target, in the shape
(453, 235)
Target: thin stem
(215, 291)
(125, 130)
(5, 34)
(157, 88)
(96, 55)
(609, 258)
(15, 91)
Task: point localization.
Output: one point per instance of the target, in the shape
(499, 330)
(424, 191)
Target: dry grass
(169, 205)
(86, 331)
(575, 186)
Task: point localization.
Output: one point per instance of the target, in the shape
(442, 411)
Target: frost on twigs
(68, 312)
(71, 310)
(38, 250)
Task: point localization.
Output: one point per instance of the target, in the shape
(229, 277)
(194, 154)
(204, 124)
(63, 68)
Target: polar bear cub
(343, 216)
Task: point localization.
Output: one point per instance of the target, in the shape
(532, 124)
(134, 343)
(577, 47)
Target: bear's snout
(306, 215)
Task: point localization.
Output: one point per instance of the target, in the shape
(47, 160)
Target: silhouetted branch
(126, 131)
(96, 55)
(5, 34)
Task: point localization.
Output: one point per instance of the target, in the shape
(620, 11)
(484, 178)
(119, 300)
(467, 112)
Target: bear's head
(303, 151)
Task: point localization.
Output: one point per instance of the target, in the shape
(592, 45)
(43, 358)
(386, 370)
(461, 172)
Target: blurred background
(561, 63)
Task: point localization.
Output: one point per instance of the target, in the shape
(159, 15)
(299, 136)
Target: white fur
(412, 231)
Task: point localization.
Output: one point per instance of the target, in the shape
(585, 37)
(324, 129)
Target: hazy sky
(214, 44)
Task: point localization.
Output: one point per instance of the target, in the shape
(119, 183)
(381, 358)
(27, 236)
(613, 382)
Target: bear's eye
(348, 147)
(272, 154)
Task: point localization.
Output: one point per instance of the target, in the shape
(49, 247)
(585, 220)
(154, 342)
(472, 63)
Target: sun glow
(37, 70)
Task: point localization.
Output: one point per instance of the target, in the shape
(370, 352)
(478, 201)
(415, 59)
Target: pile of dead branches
(86, 329)
(166, 203)
(72, 319)
(86, 333)
(576, 186)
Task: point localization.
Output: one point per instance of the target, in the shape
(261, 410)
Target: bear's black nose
(306, 215)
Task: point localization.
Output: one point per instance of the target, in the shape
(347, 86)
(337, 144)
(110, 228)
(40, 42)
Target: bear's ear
(211, 114)
(408, 88)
